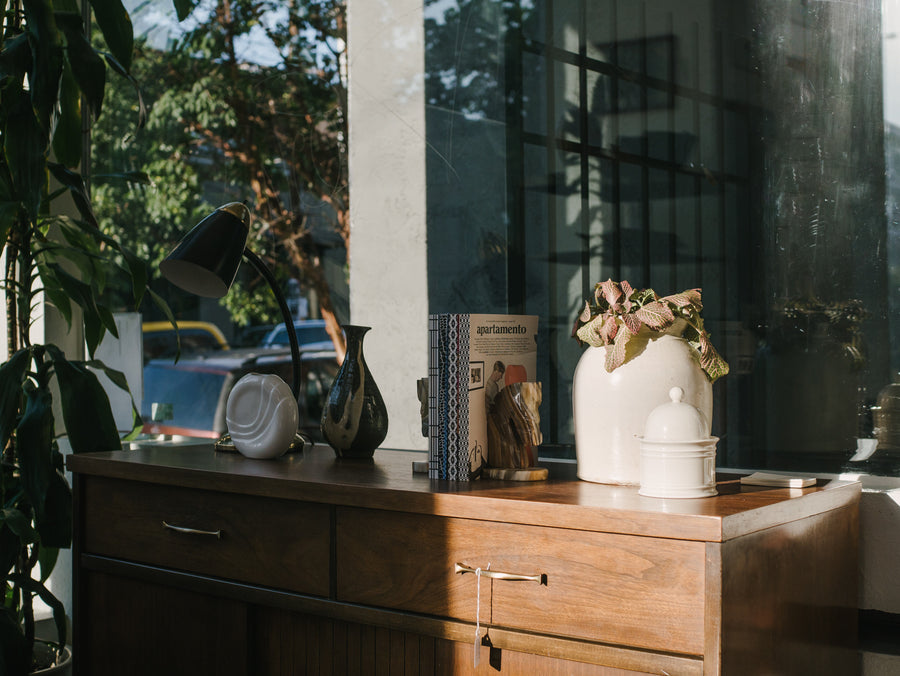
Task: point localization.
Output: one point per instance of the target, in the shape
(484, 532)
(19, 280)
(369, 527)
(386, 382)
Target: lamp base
(224, 444)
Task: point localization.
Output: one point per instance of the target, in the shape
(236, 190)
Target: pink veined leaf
(590, 332)
(712, 362)
(705, 343)
(687, 298)
(609, 328)
(615, 353)
(656, 315)
(632, 323)
(612, 292)
(627, 290)
(681, 300)
(585, 315)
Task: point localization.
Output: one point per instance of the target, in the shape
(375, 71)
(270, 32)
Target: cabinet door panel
(144, 629)
(284, 643)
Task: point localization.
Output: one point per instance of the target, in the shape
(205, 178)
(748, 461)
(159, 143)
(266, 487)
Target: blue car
(311, 334)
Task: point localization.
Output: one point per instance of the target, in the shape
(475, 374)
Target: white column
(388, 268)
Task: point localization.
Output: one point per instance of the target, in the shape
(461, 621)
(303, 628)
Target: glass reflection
(750, 149)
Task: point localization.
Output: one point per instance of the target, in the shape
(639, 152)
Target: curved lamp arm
(261, 267)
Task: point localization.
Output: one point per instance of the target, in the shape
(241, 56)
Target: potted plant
(623, 319)
(48, 70)
(650, 344)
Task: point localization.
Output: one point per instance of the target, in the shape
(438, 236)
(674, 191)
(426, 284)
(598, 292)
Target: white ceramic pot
(610, 408)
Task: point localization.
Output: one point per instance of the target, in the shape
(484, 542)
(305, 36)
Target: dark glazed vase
(355, 419)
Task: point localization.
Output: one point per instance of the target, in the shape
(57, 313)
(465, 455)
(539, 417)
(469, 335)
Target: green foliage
(222, 129)
(47, 68)
(622, 319)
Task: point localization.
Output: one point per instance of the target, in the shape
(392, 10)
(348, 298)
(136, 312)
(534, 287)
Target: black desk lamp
(206, 261)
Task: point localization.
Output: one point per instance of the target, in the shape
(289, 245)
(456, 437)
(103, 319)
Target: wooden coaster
(525, 474)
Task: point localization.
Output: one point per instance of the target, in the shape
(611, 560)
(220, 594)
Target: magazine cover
(472, 358)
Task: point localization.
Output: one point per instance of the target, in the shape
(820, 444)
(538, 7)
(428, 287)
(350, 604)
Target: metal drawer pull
(540, 578)
(193, 531)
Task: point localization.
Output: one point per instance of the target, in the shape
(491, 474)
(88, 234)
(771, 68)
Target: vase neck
(355, 333)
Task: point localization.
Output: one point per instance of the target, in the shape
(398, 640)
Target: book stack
(471, 358)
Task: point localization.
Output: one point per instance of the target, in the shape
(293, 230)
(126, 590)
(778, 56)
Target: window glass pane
(745, 148)
(243, 103)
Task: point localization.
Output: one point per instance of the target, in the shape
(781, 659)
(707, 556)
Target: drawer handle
(540, 578)
(217, 534)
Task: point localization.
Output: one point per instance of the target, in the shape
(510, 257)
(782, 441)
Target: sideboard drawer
(277, 543)
(628, 590)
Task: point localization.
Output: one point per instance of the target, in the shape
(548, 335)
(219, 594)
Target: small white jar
(678, 455)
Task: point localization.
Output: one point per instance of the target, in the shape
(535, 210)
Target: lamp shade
(206, 260)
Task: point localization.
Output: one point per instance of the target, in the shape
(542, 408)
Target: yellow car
(160, 340)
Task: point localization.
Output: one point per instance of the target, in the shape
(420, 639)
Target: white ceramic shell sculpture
(262, 415)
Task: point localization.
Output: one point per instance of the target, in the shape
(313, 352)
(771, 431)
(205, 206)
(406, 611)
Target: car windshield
(181, 398)
(305, 334)
(164, 343)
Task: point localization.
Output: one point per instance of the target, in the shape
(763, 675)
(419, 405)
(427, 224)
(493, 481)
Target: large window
(747, 148)
(242, 101)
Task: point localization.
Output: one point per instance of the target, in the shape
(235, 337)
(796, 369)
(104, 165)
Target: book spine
(462, 354)
(453, 403)
(434, 434)
(443, 389)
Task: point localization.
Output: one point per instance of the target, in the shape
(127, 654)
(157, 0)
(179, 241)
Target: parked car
(160, 339)
(310, 333)
(251, 336)
(188, 398)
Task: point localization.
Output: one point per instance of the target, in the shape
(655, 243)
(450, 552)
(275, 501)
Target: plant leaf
(184, 8)
(87, 68)
(590, 332)
(19, 524)
(85, 406)
(47, 66)
(656, 315)
(710, 360)
(33, 586)
(26, 151)
(75, 183)
(67, 136)
(43, 483)
(685, 299)
(115, 23)
(612, 292)
(632, 322)
(585, 315)
(608, 328)
(615, 353)
(12, 375)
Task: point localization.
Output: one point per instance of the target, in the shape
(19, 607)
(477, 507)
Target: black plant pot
(355, 419)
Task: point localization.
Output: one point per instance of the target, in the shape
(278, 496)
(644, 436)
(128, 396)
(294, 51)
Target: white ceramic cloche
(678, 455)
(262, 415)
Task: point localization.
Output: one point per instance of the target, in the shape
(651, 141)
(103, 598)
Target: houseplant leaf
(44, 485)
(25, 142)
(86, 410)
(67, 139)
(47, 65)
(85, 64)
(114, 22)
(12, 374)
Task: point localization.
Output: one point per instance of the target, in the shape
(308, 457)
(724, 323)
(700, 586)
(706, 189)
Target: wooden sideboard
(189, 561)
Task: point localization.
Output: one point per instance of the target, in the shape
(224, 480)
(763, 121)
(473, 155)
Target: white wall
(388, 276)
